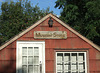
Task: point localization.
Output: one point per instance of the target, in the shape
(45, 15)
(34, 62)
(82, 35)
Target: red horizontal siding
(8, 54)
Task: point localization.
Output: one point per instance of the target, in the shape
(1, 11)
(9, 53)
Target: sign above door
(50, 34)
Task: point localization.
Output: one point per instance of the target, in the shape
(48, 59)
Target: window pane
(24, 69)
(81, 67)
(24, 60)
(24, 50)
(30, 60)
(36, 60)
(81, 57)
(67, 57)
(59, 57)
(36, 69)
(30, 69)
(60, 72)
(74, 67)
(30, 50)
(67, 66)
(67, 72)
(75, 72)
(82, 72)
(36, 51)
(59, 67)
(74, 57)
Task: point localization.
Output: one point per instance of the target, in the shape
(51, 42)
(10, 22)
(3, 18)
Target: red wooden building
(47, 48)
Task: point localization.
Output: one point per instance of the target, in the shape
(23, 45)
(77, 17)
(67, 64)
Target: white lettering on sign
(50, 34)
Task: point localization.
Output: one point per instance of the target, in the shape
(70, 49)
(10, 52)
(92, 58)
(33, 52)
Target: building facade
(49, 46)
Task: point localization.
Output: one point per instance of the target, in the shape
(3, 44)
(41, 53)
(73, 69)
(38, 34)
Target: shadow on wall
(8, 60)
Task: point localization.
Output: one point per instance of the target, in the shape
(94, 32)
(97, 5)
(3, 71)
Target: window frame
(63, 51)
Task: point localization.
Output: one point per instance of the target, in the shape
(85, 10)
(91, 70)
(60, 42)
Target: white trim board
(57, 19)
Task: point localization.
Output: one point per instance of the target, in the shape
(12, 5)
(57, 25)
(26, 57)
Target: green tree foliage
(82, 15)
(16, 16)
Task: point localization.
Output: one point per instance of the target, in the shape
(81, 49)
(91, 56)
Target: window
(71, 62)
(30, 60)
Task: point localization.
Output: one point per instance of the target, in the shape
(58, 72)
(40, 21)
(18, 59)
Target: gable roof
(57, 19)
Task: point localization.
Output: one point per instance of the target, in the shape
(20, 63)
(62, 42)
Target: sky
(43, 4)
(47, 3)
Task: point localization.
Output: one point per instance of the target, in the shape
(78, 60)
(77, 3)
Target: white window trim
(35, 42)
(73, 52)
